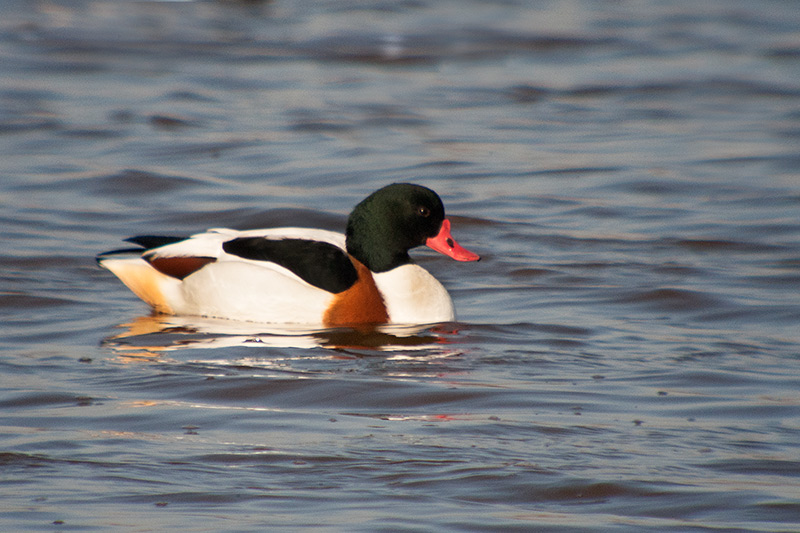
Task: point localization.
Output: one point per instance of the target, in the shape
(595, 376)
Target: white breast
(413, 296)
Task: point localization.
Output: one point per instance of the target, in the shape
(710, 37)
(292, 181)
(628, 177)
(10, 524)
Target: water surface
(626, 356)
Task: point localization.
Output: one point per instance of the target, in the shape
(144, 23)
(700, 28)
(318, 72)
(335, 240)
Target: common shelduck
(302, 275)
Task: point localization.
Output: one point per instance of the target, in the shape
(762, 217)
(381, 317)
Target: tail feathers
(155, 288)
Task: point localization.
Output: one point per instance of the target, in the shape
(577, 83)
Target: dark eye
(423, 211)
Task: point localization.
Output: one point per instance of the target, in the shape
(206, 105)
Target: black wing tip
(145, 242)
(111, 253)
(148, 242)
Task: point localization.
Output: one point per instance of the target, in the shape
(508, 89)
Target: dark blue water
(627, 356)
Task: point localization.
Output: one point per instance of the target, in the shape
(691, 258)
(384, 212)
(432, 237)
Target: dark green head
(389, 222)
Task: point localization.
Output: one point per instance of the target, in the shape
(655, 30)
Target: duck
(295, 275)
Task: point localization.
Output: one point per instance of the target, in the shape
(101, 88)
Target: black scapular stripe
(320, 264)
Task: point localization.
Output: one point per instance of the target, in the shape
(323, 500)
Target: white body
(260, 291)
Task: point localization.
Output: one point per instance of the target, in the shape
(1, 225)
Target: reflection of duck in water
(300, 275)
(155, 334)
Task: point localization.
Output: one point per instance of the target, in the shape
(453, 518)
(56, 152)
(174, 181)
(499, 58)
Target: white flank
(256, 291)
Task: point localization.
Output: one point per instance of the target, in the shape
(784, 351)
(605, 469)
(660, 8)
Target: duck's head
(392, 220)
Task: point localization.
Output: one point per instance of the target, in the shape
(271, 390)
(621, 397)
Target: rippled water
(627, 353)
